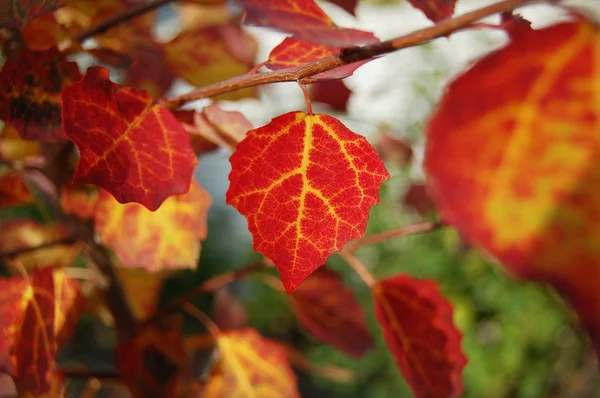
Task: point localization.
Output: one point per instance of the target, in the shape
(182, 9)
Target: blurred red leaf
(514, 24)
(292, 52)
(393, 149)
(14, 191)
(329, 310)
(532, 123)
(30, 100)
(19, 12)
(14, 296)
(167, 238)
(417, 197)
(417, 327)
(302, 201)
(228, 311)
(153, 363)
(79, 199)
(303, 18)
(19, 234)
(251, 366)
(435, 10)
(70, 303)
(132, 148)
(333, 93)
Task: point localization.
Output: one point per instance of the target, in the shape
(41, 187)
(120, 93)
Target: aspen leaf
(251, 366)
(18, 234)
(329, 310)
(334, 93)
(142, 290)
(135, 150)
(167, 238)
(523, 179)
(14, 191)
(79, 199)
(14, 296)
(13, 147)
(305, 184)
(30, 98)
(303, 18)
(417, 328)
(18, 12)
(435, 10)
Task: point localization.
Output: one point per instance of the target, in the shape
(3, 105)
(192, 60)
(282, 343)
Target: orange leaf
(220, 52)
(12, 147)
(328, 310)
(305, 183)
(30, 100)
(14, 297)
(417, 328)
(303, 18)
(79, 200)
(19, 12)
(35, 346)
(292, 52)
(251, 366)
(14, 191)
(135, 150)
(167, 238)
(435, 10)
(153, 363)
(70, 304)
(142, 290)
(523, 181)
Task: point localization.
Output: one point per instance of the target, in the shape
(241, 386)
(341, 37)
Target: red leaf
(417, 327)
(79, 200)
(135, 150)
(532, 124)
(303, 18)
(328, 310)
(35, 348)
(292, 52)
(14, 296)
(30, 98)
(18, 12)
(305, 183)
(333, 93)
(514, 24)
(14, 191)
(418, 198)
(435, 10)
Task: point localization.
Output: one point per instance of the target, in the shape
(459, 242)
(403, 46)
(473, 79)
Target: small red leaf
(30, 96)
(17, 12)
(135, 150)
(305, 183)
(329, 310)
(417, 327)
(79, 199)
(303, 18)
(14, 191)
(435, 10)
(333, 93)
(14, 296)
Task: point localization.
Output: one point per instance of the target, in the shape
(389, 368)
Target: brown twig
(346, 56)
(426, 226)
(358, 267)
(120, 18)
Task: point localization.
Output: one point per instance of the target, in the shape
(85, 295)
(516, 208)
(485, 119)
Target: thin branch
(208, 323)
(120, 18)
(346, 56)
(358, 267)
(393, 233)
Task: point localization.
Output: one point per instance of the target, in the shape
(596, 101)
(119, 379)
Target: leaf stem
(393, 233)
(120, 18)
(212, 327)
(358, 267)
(306, 98)
(346, 55)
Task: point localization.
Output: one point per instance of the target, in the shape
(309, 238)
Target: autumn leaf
(128, 146)
(46, 32)
(220, 52)
(19, 234)
(142, 290)
(333, 93)
(154, 363)
(79, 199)
(329, 311)
(531, 123)
(303, 18)
(30, 98)
(435, 10)
(13, 147)
(14, 297)
(164, 239)
(305, 184)
(513, 23)
(417, 197)
(417, 328)
(69, 305)
(251, 366)
(14, 13)
(14, 191)
(292, 52)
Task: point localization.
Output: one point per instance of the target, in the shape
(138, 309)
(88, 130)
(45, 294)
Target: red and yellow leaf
(292, 52)
(417, 327)
(329, 310)
(132, 148)
(14, 191)
(435, 10)
(79, 199)
(153, 363)
(13, 147)
(15, 13)
(142, 290)
(14, 297)
(251, 366)
(69, 305)
(30, 99)
(18, 234)
(305, 183)
(303, 18)
(220, 52)
(167, 238)
(523, 181)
